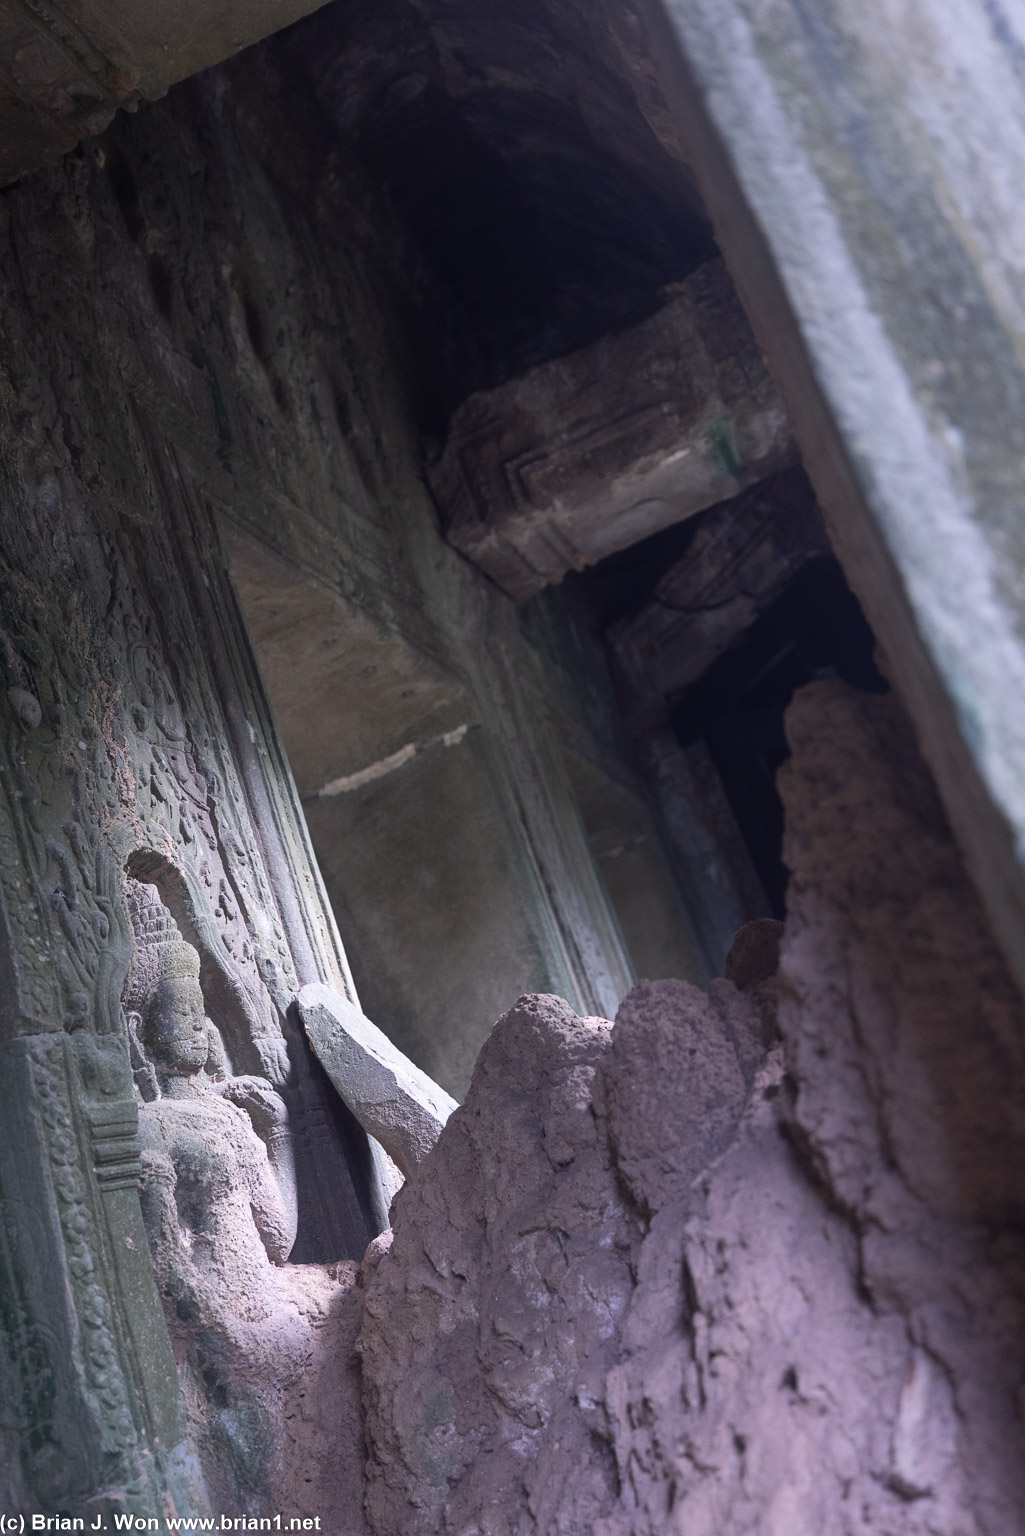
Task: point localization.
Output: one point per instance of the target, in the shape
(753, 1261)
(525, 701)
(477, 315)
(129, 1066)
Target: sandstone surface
(393, 1100)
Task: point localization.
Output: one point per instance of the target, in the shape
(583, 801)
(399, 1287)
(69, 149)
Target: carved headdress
(160, 950)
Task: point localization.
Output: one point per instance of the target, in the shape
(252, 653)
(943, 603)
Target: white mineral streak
(347, 782)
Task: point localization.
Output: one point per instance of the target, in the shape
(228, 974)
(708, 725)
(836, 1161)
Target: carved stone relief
(219, 1202)
(133, 738)
(549, 473)
(739, 560)
(154, 387)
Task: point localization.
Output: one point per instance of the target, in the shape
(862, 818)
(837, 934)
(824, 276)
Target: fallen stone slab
(391, 1098)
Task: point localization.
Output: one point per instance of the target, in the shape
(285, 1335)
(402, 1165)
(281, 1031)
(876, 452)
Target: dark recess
(508, 141)
(532, 210)
(816, 628)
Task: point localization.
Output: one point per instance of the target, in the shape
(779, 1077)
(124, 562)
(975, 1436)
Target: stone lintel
(594, 451)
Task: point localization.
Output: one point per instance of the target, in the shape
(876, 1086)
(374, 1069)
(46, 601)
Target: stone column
(861, 162)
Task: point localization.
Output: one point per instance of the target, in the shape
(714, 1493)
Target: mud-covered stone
(754, 954)
(492, 1319)
(675, 1084)
(814, 1327)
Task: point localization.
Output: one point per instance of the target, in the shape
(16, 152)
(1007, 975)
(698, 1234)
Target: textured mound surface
(670, 1277)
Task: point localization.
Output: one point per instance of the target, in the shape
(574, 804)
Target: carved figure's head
(163, 1000)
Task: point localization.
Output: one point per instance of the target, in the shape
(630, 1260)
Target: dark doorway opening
(815, 628)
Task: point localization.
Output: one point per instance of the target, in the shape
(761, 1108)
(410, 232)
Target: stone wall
(205, 368)
(415, 712)
(136, 740)
(240, 278)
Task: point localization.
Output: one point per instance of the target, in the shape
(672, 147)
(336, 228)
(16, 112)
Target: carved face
(177, 1026)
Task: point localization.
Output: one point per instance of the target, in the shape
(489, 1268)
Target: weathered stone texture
(587, 454)
(675, 1084)
(740, 559)
(390, 1096)
(202, 339)
(639, 1290)
(905, 1035)
(320, 1463)
(65, 70)
(860, 163)
(133, 734)
(491, 1323)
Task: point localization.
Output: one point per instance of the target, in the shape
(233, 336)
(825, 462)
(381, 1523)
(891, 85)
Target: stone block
(391, 1098)
(587, 454)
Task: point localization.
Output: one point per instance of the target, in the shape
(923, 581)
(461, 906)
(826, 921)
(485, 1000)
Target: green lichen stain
(434, 1439)
(722, 445)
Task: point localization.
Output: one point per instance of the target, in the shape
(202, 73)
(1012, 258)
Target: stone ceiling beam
(862, 162)
(587, 454)
(66, 69)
